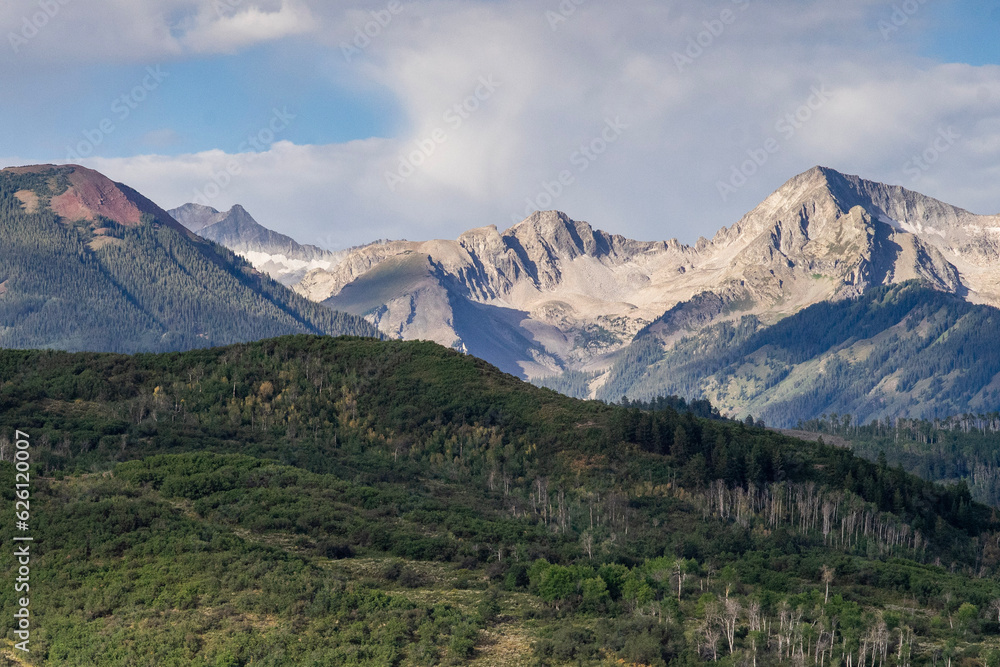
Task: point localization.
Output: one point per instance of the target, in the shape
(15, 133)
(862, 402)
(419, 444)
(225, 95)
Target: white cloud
(217, 32)
(121, 31)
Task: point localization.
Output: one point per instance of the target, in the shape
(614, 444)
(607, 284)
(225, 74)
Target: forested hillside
(321, 501)
(901, 350)
(960, 449)
(80, 281)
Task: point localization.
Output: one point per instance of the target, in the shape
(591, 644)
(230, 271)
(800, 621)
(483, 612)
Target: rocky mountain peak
(485, 241)
(197, 216)
(815, 209)
(806, 196)
(239, 217)
(553, 237)
(556, 235)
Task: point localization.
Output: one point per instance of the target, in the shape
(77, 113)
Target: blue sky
(963, 32)
(400, 138)
(208, 102)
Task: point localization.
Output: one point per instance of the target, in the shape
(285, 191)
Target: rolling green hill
(87, 264)
(317, 501)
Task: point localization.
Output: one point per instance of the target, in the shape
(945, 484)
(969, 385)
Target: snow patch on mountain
(291, 264)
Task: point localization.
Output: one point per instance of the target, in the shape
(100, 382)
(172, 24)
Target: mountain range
(744, 319)
(594, 314)
(568, 296)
